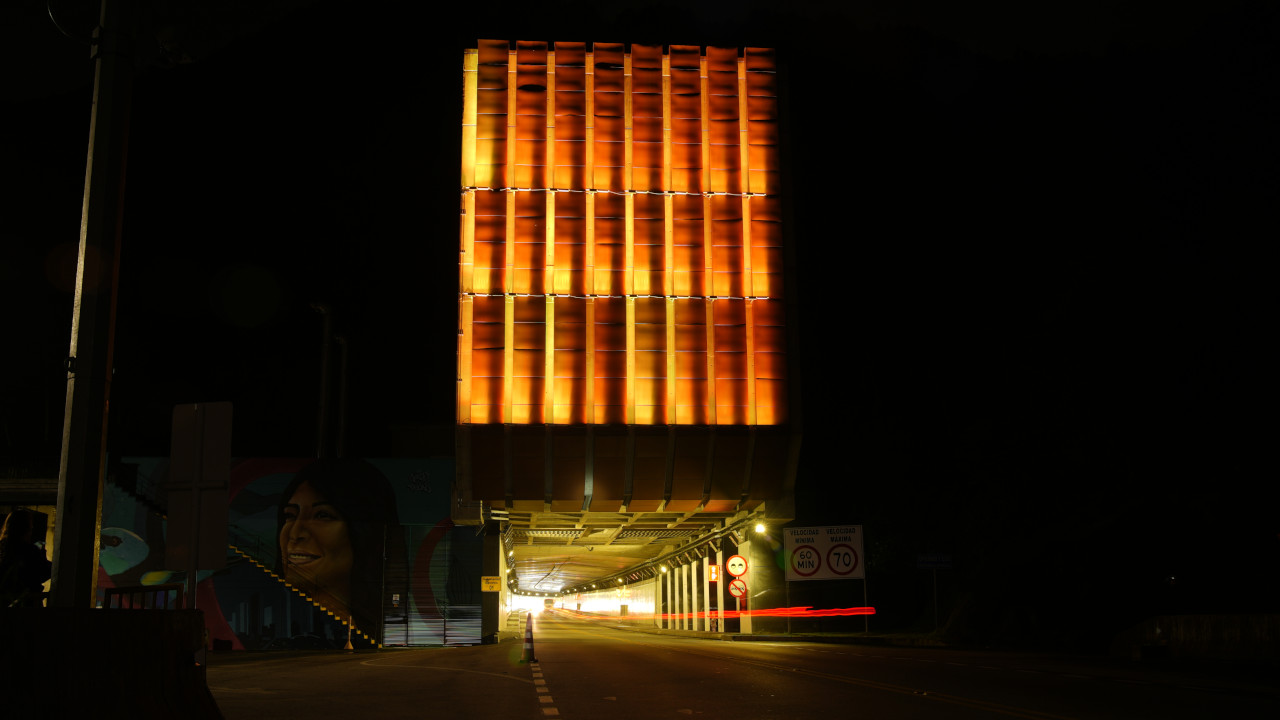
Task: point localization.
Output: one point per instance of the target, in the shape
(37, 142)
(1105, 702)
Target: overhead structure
(622, 382)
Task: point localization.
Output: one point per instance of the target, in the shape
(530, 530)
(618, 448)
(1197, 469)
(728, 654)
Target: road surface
(589, 670)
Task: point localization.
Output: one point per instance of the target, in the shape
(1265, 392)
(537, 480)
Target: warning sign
(824, 553)
(736, 565)
(490, 583)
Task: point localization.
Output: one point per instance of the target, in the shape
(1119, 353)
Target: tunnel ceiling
(592, 530)
(554, 551)
(649, 492)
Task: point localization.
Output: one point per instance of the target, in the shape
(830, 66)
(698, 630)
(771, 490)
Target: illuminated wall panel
(621, 243)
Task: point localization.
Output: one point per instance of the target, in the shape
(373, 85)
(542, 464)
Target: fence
(145, 597)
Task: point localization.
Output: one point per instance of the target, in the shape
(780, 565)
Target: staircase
(149, 493)
(355, 631)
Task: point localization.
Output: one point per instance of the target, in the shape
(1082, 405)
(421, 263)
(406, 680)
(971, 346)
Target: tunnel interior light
(760, 528)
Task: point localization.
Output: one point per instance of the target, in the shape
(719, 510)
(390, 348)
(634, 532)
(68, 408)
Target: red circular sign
(736, 565)
(805, 561)
(738, 588)
(842, 559)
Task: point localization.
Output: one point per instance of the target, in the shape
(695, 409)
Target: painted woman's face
(315, 543)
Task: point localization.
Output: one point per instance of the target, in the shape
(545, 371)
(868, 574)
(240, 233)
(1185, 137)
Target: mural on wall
(318, 551)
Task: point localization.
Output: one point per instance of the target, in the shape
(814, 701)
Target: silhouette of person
(23, 565)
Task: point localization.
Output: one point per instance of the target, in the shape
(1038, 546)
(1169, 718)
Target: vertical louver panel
(621, 252)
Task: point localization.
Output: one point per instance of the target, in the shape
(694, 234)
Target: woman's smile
(317, 546)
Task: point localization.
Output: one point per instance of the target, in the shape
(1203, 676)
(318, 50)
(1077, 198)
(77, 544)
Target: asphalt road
(589, 670)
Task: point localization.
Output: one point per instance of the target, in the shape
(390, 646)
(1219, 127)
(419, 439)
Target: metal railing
(143, 597)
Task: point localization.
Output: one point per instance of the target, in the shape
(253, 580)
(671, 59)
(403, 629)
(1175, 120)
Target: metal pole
(720, 591)
(866, 623)
(341, 340)
(444, 611)
(89, 363)
(193, 551)
(935, 600)
(322, 421)
(382, 592)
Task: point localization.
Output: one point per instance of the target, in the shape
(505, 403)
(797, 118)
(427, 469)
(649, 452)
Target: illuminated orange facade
(621, 244)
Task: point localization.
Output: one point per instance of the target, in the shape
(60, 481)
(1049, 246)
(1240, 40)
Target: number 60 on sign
(824, 553)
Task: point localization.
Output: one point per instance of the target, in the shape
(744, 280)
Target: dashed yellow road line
(544, 694)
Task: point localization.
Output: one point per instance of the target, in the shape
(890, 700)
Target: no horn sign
(824, 553)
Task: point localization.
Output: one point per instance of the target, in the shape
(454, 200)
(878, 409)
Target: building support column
(668, 578)
(684, 597)
(720, 591)
(674, 621)
(744, 624)
(491, 563)
(693, 597)
(706, 594)
(78, 523)
(678, 591)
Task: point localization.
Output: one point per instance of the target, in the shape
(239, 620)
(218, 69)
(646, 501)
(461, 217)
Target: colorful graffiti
(318, 553)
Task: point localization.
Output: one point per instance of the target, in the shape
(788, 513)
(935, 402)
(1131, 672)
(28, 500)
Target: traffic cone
(528, 640)
(348, 647)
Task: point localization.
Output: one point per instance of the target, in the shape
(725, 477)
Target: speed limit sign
(824, 553)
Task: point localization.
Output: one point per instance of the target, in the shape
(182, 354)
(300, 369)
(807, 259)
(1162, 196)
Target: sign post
(199, 471)
(736, 566)
(934, 561)
(826, 553)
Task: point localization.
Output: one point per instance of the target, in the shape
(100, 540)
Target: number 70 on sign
(824, 553)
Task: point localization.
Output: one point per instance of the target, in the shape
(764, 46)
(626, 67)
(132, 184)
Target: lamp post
(89, 360)
(326, 343)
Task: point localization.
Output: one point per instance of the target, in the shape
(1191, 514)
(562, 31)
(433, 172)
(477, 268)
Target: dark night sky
(1029, 249)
